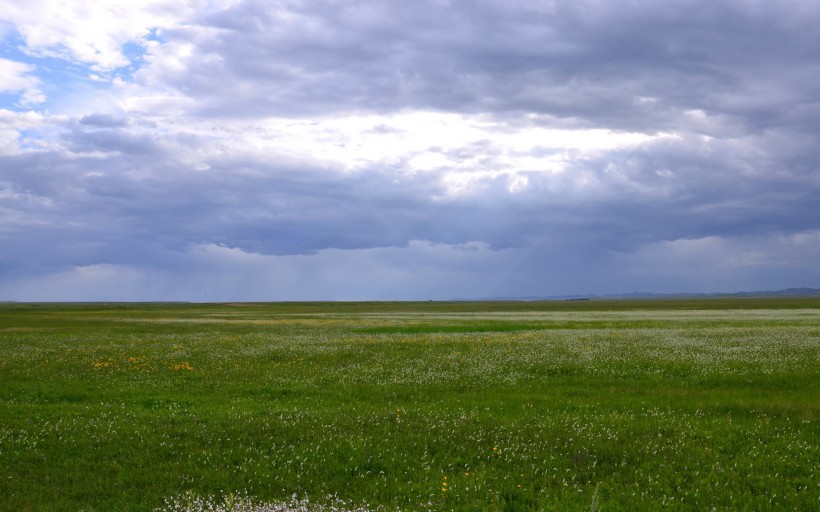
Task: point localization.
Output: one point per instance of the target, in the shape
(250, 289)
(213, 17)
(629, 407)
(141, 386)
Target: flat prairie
(614, 405)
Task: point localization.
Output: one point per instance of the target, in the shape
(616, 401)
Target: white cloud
(94, 31)
(465, 150)
(11, 126)
(19, 77)
(15, 76)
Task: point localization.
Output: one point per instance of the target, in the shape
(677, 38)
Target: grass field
(599, 405)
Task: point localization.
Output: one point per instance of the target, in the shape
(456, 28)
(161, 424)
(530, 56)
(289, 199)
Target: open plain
(593, 405)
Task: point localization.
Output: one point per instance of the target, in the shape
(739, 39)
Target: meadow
(597, 405)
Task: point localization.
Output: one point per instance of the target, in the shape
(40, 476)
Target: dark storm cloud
(692, 189)
(117, 209)
(636, 65)
(121, 211)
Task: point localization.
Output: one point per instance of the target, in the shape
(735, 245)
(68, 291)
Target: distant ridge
(788, 292)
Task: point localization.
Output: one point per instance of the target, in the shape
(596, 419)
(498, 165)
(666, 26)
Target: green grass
(614, 405)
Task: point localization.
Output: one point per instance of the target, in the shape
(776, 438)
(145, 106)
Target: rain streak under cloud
(297, 150)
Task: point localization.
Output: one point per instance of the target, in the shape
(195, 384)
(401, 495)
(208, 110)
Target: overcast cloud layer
(297, 150)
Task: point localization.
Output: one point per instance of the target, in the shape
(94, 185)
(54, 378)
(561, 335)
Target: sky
(264, 150)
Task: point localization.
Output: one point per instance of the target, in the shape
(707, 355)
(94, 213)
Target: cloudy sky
(214, 150)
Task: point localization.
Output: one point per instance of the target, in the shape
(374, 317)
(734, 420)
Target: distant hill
(788, 292)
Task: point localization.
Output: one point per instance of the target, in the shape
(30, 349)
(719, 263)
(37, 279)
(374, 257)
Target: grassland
(600, 405)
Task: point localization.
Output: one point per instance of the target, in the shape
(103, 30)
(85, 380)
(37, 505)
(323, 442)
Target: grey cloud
(107, 133)
(620, 65)
(104, 120)
(111, 140)
(126, 209)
